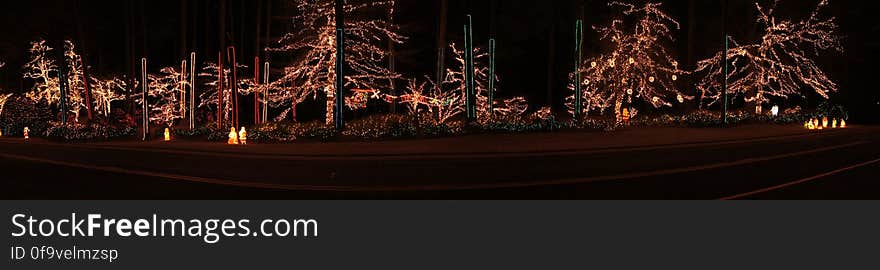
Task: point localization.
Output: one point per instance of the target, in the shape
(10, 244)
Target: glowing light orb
(680, 98)
(629, 91)
(587, 82)
(651, 79)
(593, 64)
(655, 99)
(674, 77)
(631, 60)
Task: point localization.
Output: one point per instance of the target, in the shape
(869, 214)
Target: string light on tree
(40, 69)
(314, 43)
(455, 81)
(780, 64)
(639, 36)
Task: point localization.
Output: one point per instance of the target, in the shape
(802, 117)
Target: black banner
(441, 235)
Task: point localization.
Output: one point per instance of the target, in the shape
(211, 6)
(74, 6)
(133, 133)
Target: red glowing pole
(257, 90)
(267, 94)
(231, 54)
(85, 80)
(220, 79)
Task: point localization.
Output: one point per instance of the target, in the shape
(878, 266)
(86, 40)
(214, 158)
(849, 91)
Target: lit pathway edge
(292, 187)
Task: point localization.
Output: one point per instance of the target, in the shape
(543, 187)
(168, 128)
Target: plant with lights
(455, 80)
(779, 65)
(313, 47)
(163, 95)
(107, 91)
(76, 99)
(41, 68)
(3, 99)
(637, 66)
(209, 98)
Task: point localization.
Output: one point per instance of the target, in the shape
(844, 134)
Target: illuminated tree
(415, 98)
(313, 48)
(3, 99)
(637, 64)
(76, 81)
(163, 96)
(42, 69)
(107, 91)
(209, 98)
(780, 64)
(455, 80)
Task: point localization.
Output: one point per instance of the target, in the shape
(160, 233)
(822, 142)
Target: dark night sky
(111, 31)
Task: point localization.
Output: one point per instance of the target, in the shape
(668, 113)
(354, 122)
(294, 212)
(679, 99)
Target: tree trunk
(221, 25)
(184, 21)
(551, 57)
(441, 40)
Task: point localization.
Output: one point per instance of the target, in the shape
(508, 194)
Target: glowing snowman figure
(167, 135)
(842, 123)
(825, 122)
(242, 136)
(834, 123)
(27, 133)
(775, 110)
(233, 136)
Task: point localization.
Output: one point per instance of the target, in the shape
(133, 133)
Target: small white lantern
(775, 110)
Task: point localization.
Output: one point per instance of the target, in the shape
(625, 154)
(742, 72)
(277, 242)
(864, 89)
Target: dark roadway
(839, 164)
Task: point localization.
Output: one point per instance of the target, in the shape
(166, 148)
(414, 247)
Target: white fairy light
(314, 43)
(780, 64)
(639, 34)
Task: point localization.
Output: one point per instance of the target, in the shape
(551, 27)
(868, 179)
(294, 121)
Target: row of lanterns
(816, 124)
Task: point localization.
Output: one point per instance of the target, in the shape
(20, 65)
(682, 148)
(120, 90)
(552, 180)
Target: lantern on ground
(842, 123)
(242, 136)
(816, 123)
(233, 136)
(834, 123)
(27, 133)
(825, 122)
(625, 116)
(775, 110)
(167, 135)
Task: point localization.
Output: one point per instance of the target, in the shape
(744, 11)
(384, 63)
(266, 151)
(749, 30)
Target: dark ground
(752, 162)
